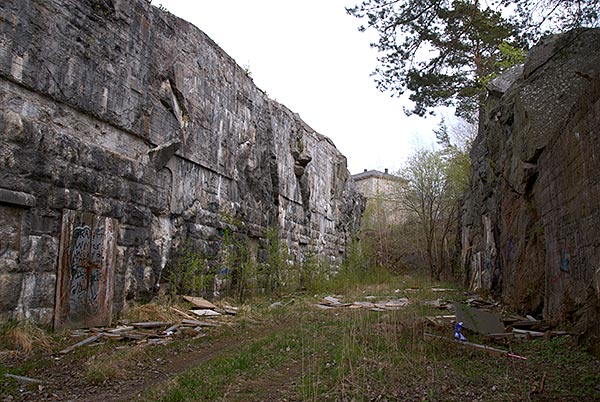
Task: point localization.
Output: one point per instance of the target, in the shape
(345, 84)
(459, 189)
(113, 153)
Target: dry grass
(117, 365)
(153, 311)
(24, 337)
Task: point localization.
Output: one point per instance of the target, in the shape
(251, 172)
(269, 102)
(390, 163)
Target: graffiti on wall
(85, 270)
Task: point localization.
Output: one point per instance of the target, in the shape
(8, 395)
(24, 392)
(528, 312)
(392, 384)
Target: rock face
(529, 229)
(125, 130)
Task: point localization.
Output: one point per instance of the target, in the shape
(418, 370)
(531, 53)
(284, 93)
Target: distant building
(382, 192)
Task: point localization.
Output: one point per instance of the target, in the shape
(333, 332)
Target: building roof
(367, 174)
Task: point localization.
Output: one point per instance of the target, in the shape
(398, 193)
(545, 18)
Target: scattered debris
(488, 349)
(363, 304)
(324, 307)
(535, 389)
(91, 339)
(479, 302)
(479, 321)
(181, 313)
(171, 330)
(20, 378)
(457, 334)
(151, 324)
(205, 313)
(195, 323)
(441, 320)
(439, 303)
(154, 332)
(230, 310)
(330, 302)
(120, 328)
(200, 302)
(528, 334)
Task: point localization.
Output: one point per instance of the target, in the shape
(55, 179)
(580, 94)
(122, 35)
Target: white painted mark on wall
(18, 64)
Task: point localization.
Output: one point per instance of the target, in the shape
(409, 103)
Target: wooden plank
(119, 330)
(488, 349)
(151, 324)
(20, 378)
(82, 343)
(183, 314)
(199, 302)
(500, 335)
(205, 312)
(195, 323)
(533, 334)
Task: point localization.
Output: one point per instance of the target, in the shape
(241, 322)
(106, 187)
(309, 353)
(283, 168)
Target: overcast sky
(310, 56)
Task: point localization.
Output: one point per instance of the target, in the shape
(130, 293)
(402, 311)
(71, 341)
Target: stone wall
(132, 124)
(530, 224)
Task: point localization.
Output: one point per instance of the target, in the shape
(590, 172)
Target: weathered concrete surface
(117, 109)
(530, 225)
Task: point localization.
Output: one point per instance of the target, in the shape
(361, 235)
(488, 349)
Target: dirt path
(277, 385)
(65, 381)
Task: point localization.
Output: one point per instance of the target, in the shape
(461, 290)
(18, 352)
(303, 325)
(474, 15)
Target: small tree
(436, 181)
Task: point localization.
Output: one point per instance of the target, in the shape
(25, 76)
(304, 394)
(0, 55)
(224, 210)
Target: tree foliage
(439, 50)
(443, 52)
(539, 17)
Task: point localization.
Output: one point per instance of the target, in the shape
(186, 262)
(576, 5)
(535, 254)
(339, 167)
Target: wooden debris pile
(157, 332)
(331, 302)
(476, 315)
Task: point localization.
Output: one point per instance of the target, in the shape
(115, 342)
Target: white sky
(310, 56)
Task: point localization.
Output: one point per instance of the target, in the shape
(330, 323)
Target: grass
(299, 352)
(360, 355)
(23, 337)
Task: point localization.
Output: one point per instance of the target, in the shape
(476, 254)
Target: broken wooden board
(195, 323)
(231, 310)
(360, 304)
(181, 313)
(330, 300)
(488, 349)
(26, 380)
(205, 313)
(528, 334)
(121, 329)
(82, 343)
(199, 302)
(479, 321)
(151, 324)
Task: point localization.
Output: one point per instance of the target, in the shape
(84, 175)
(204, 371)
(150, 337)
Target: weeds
(23, 336)
(113, 366)
(189, 272)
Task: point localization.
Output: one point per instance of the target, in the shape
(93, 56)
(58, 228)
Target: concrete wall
(114, 109)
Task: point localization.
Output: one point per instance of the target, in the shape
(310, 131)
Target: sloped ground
(297, 351)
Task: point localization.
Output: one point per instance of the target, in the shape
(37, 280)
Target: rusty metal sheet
(84, 285)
